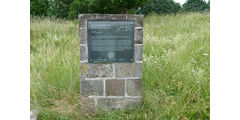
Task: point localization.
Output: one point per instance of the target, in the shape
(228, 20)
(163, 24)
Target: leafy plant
(79, 6)
(160, 7)
(39, 7)
(116, 6)
(195, 5)
(60, 8)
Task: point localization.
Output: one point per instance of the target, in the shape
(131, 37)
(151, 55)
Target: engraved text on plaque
(110, 41)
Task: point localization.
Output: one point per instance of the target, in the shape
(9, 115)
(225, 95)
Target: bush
(71, 8)
(208, 4)
(160, 7)
(195, 5)
(60, 8)
(39, 7)
(104, 7)
(79, 6)
(116, 6)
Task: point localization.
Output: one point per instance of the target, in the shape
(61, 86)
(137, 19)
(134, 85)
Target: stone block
(128, 69)
(96, 70)
(87, 106)
(83, 36)
(137, 18)
(33, 114)
(138, 52)
(117, 103)
(83, 52)
(82, 24)
(115, 87)
(91, 87)
(134, 87)
(103, 17)
(110, 17)
(138, 36)
(83, 19)
(118, 17)
(131, 103)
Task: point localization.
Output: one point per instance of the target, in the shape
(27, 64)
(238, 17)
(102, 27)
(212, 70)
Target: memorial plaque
(111, 54)
(110, 41)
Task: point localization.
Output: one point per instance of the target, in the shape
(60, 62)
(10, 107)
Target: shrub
(208, 4)
(116, 6)
(39, 7)
(160, 7)
(60, 8)
(195, 5)
(104, 7)
(79, 6)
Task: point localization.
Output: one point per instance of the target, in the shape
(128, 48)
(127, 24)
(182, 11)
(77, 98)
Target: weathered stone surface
(87, 106)
(82, 24)
(83, 52)
(91, 87)
(137, 18)
(110, 16)
(115, 87)
(83, 19)
(131, 103)
(83, 36)
(118, 17)
(134, 87)
(96, 70)
(117, 103)
(138, 36)
(128, 69)
(138, 52)
(33, 114)
(87, 16)
(102, 17)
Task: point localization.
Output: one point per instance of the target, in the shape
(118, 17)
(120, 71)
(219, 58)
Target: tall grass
(176, 69)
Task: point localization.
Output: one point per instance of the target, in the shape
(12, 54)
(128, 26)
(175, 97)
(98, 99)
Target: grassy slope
(175, 74)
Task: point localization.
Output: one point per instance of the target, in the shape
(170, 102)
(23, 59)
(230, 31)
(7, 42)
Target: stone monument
(111, 48)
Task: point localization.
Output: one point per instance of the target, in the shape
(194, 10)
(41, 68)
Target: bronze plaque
(110, 41)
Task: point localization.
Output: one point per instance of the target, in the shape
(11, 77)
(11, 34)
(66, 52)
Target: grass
(176, 69)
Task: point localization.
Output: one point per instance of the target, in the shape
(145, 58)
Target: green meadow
(176, 69)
